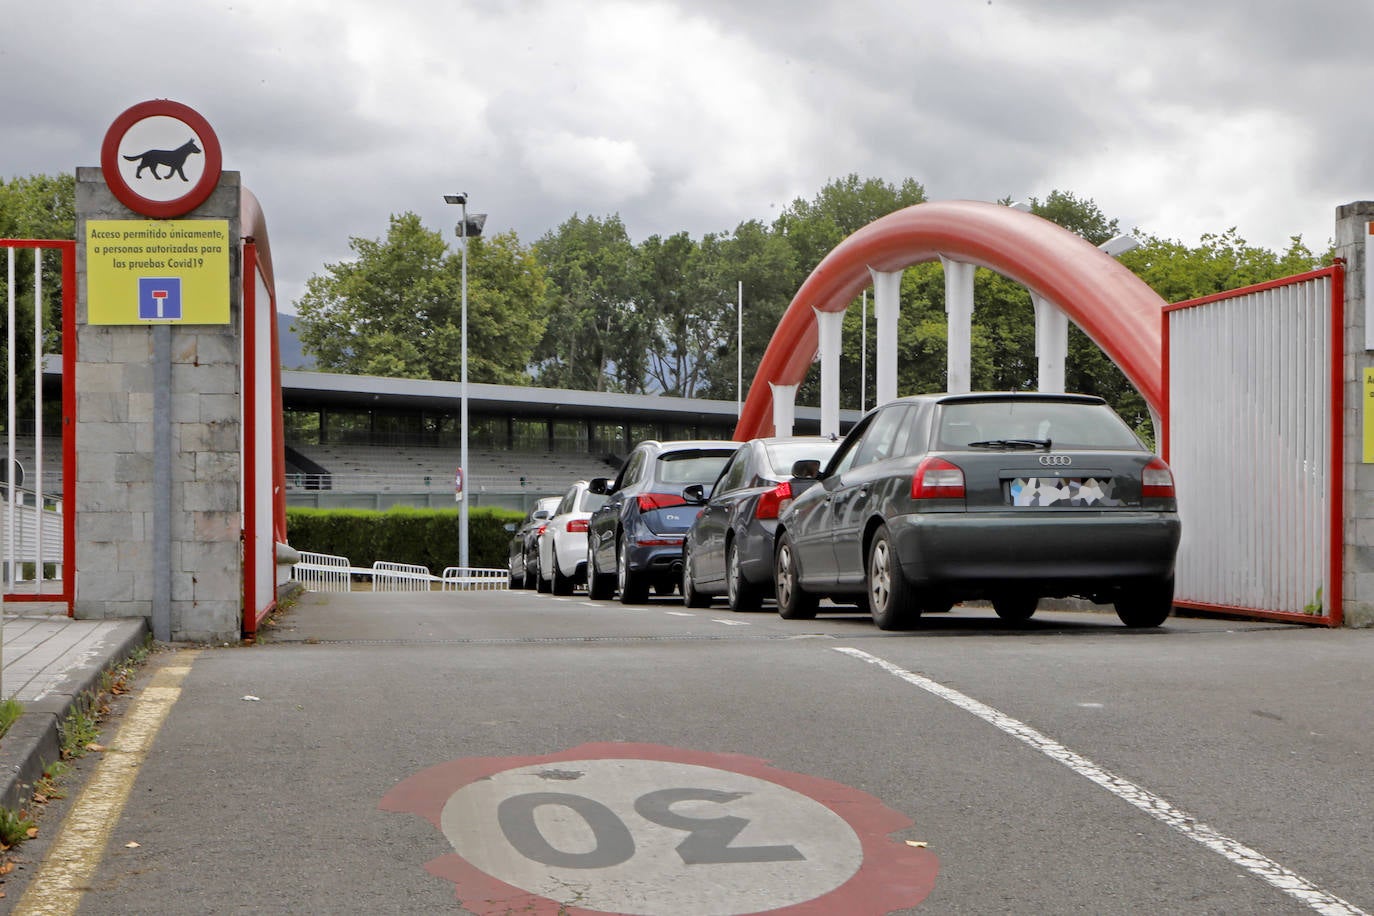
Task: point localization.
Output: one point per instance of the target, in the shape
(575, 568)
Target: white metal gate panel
(36, 535)
(1256, 460)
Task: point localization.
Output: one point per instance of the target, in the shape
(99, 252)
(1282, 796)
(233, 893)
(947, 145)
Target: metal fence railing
(319, 572)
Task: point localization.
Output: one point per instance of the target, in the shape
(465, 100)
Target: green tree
(598, 338)
(395, 310)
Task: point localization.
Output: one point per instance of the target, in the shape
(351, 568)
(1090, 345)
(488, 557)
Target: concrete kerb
(34, 741)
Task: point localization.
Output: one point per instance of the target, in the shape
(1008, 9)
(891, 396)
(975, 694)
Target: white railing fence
(319, 572)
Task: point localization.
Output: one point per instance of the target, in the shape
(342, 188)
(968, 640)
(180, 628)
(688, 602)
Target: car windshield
(692, 466)
(1028, 423)
(782, 455)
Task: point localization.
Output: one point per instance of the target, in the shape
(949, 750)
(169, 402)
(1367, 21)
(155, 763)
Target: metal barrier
(467, 578)
(1254, 439)
(320, 572)
(400, 577)
(37, 538)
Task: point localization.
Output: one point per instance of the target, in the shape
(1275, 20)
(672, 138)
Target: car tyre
(600, 586)
(1147, 605)
(561, 584)
(739, 591)
(633, 587)
(891, 599)
(793, 602)
(1015, 608)
(544, 586)
(690, 596)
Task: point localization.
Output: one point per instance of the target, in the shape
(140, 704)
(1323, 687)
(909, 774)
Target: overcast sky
(1178, 117)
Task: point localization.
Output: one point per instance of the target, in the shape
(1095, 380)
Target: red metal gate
(36, 565)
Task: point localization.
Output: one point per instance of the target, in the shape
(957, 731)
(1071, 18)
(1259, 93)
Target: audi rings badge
(1056, 461)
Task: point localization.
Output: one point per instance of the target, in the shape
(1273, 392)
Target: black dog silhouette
(173, 159)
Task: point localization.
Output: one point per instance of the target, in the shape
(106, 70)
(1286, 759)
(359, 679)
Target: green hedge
(401, 534)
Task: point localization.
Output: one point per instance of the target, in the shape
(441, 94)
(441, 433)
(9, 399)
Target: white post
(887, 294)
(829, 326)
(863, 355)
(1051, 343)
(784, 408)
(959, 311)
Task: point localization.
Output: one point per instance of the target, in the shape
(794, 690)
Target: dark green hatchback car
(1009, 497)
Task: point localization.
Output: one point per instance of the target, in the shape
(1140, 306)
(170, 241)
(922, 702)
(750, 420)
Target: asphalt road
(528, 754)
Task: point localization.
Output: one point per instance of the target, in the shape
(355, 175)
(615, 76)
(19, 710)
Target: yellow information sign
(1368, 414)
(162, 271)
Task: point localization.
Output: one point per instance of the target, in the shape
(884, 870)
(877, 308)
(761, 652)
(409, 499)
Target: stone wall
(1358, 480)
(116, 487)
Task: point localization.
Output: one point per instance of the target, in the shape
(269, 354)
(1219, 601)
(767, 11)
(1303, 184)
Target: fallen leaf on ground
(95, 747)
(252, 699)
(33, 832)
(917, 843)
(6, 868)
(131, 845)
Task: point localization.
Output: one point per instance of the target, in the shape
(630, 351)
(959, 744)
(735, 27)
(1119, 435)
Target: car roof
(976, 396)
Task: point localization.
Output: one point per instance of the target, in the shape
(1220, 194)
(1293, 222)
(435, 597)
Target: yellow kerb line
(70, 864)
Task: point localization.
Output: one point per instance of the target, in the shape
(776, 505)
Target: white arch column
(959, 313)
(784, 408)
(1051, 343)
(829, 326)
(887, 306)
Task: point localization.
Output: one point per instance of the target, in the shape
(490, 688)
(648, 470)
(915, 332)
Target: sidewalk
(47, 662)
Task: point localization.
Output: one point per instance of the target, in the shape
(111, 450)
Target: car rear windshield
(782, 455)
(1064, 424)
(697, 465)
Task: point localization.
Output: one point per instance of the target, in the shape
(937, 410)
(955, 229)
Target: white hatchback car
(563, 543)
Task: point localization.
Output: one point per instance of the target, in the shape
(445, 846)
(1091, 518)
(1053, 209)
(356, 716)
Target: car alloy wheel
(891, 600)
(793, 603)
(741, 595)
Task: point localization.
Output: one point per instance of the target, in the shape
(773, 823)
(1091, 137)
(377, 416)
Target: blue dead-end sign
(645, 829)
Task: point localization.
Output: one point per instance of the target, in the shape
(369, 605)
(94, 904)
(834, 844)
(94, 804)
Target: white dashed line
(679, 614)
(731, 623)
(1258, 864)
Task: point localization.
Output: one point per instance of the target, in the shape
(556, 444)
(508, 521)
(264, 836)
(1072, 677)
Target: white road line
(1256, 863)
(731, 623)
(679, 614)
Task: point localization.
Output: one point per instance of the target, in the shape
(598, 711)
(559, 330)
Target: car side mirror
(694, 493)
(806, 469)
(541, 514)
(599, 485)
(509, 526)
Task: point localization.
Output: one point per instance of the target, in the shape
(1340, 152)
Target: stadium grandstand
(371, 443)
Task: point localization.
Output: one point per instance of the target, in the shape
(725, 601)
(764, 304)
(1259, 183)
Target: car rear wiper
(1011, 443)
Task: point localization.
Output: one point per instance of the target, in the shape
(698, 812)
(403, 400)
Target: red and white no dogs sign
(651, 830)
(161, 158)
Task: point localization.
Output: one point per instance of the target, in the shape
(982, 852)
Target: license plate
(1062, 491)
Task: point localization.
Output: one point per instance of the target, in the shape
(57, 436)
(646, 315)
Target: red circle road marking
(890, 875)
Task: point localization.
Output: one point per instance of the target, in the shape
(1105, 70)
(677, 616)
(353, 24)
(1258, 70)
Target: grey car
(1009, 497)
(729, 548)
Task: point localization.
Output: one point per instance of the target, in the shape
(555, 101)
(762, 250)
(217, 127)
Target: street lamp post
(466, 227)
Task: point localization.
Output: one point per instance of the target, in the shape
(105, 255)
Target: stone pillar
(1358, 565)
(120, 496)
(784, 408)
(1051, 343)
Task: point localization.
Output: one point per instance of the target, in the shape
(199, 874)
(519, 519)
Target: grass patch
(10, 711)
(16, 827)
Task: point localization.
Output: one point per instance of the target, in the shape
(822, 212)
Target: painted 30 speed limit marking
(649, 830)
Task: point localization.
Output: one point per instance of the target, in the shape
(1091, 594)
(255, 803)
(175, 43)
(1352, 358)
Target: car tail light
(772, 502)
(541, 530)
(1157, 481)
(651, 501)
(936, 478)
(577, 524)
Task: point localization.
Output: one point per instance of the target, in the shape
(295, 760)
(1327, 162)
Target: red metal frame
(1335, 612)
(68, 248)
(1117, 309)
